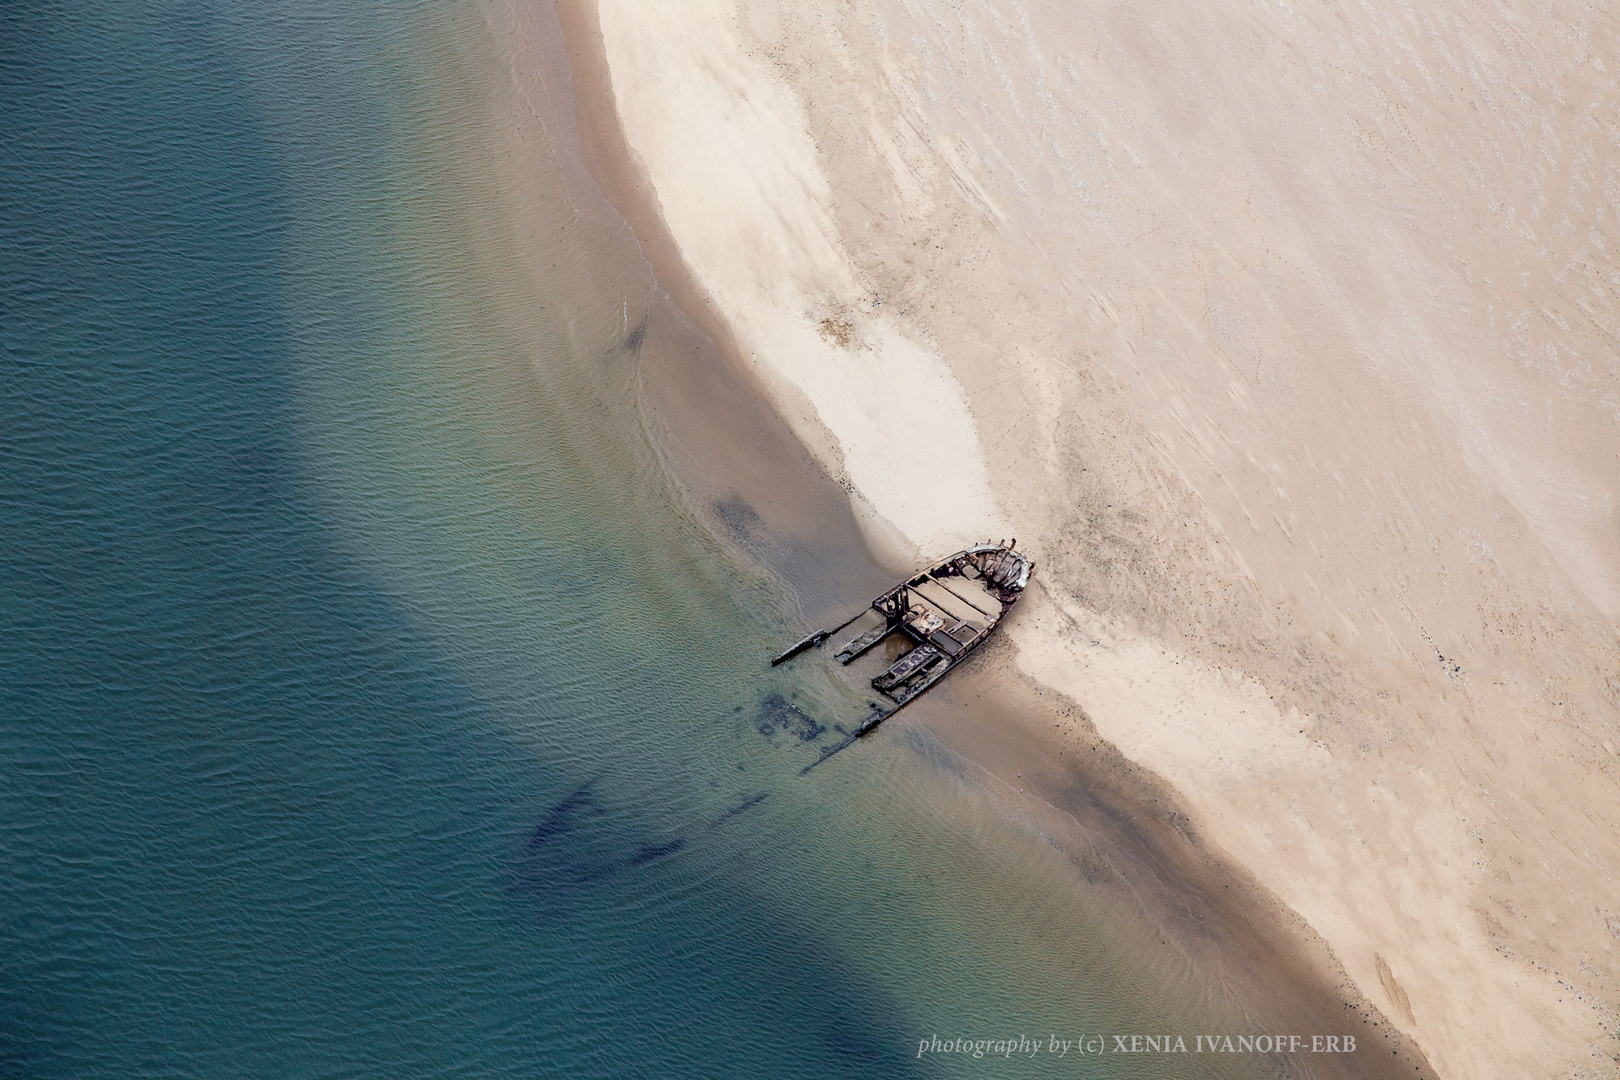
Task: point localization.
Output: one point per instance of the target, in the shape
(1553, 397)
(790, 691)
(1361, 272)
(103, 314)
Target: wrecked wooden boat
(945, 612)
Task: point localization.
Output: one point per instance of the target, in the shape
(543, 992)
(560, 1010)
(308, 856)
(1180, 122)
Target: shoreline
(1177, 880)
(799, 537)
(1319, 522)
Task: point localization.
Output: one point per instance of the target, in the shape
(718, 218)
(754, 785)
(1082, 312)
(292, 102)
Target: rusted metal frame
(877, 716)
(815, 639)
(895, 605)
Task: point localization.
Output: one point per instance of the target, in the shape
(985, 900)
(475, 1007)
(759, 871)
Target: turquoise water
(373, 702)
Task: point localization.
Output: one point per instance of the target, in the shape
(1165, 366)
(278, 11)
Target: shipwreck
(945, 612)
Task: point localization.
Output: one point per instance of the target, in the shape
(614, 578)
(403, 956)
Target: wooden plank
(965, 600)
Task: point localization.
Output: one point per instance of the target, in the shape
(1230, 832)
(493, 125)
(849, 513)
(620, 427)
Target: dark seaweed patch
(654, 852)
(777, 713)
(742, 807)
(568, 848)
(632, 341)
(740, 519)
(567, 814)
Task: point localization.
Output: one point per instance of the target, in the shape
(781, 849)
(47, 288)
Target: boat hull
(947, 610)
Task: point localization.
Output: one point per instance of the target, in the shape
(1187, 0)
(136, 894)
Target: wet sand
(753, 483)
(749, 474)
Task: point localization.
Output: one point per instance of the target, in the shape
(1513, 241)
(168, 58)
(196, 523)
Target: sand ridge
(1284, 338)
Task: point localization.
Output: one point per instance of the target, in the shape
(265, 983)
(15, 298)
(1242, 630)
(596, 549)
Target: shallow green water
(373, 703)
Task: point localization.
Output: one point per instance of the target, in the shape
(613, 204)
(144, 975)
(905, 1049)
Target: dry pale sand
(1284, 336)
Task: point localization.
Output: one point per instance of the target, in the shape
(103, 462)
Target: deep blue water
(351, 722)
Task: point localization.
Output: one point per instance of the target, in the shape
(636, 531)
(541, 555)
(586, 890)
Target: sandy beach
(1284, 340)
